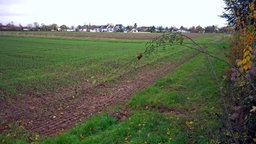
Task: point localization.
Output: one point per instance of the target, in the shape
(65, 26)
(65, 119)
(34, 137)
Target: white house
(182, 31)
(134, 30)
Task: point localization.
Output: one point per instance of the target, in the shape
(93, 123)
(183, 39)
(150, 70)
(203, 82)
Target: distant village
(114, 28)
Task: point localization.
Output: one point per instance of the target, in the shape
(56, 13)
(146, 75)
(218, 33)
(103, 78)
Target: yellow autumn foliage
(239, 63)
(247, 36)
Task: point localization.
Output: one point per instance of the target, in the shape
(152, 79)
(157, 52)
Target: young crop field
(39, 64)
(92, 88)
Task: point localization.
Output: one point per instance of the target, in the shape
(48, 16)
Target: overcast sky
(127, 12)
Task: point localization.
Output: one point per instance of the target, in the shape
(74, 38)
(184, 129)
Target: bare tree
(36, 26)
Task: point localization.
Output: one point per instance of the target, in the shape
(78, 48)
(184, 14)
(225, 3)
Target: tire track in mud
(52, 113)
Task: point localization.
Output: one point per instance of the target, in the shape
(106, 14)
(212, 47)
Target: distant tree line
(153, 29)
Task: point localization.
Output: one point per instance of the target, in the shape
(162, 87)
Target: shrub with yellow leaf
(247, 36)
(241, 87)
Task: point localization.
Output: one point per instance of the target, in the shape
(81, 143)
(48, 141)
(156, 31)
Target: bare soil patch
(167, 110)
(121, 114)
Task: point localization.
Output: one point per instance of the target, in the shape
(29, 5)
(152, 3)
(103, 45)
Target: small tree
(135, 26)
(152, 29)
(72, 27)
(160, 29)
(129, 27)
(78, 28)
(166, 29)
(210, 29)
(30, 27)
(63, 27)
(192, 29)
(199, 29)
(54, 27)
(43, 27)
(10, 26)
(36, 26)
(20, 27)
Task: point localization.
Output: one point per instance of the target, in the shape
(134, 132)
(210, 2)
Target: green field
(182, 107)
(40, 64)
(44, 63)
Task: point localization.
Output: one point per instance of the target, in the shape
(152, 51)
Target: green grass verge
(190, 92)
